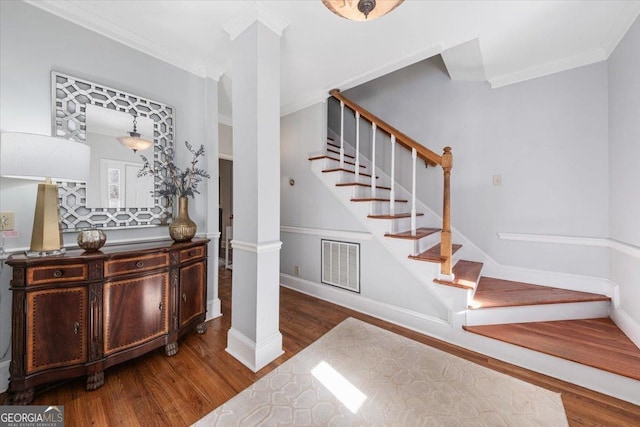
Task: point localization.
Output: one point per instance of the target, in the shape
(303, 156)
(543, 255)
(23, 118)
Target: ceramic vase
(182, 229)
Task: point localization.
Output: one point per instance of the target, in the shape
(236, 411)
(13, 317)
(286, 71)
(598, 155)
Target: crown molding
(256, 11)
(625, 20)
(84, 18)
(586, 58)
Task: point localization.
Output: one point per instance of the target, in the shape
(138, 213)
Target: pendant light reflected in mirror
(134, 140)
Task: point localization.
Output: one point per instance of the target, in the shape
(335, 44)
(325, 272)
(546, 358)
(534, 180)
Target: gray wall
(32, 43)
(624, 165)
(547, 138)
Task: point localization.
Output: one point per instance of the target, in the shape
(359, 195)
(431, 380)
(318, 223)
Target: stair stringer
(491, 267)
(454, 299)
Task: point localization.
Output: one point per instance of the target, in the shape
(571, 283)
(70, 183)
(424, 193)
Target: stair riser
(538, 313)
(365, 192)
(332, 164)
(351, 177)
(384, 208)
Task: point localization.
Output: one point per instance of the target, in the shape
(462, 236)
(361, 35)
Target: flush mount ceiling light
(134, 141)
(361, 10)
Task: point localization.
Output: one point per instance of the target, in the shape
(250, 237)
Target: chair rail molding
(326, 232)
(616, 245)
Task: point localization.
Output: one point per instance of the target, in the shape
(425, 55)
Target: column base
(254, 356)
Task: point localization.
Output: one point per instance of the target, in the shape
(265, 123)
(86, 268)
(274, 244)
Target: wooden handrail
(407, 142)
(446, 161)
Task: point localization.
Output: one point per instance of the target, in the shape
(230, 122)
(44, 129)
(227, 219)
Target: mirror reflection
(114, 181)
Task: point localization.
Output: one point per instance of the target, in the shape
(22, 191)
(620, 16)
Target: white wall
(624, 166)
(308, 204)
(547, 138)
(32, 43)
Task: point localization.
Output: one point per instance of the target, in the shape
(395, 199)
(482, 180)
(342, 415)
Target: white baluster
(392, 205)
(357, 146)
(341, 134)
(414, 156)
(373, 159)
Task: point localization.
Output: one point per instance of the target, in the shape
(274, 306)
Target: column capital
(256, 11)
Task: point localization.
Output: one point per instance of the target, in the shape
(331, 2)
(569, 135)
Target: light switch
(497, 180)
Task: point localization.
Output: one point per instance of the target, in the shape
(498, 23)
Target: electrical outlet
(7, 221)
(497, 180)
(296, 270)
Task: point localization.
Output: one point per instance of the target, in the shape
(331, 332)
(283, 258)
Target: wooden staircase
(564, 323)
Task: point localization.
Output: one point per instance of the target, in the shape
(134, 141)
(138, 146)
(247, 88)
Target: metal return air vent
(341, 264)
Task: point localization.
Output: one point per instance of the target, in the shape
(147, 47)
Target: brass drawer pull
(76, 328)
(192, 253)
(184, 297)
(139, 264)
(57, 273)
(160, 306)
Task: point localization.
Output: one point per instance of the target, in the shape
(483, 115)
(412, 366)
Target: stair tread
(377, 199)
(395, 216)
(433, 254)
(360, 184)
(324, 156)
(346, 170)
(338, 153)
(492, 292)
(466, 275)
(598, 343)
(420, 233)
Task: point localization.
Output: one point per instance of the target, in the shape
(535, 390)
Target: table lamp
(44, 158)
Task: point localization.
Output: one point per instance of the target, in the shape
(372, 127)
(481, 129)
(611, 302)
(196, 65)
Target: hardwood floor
(155, 390)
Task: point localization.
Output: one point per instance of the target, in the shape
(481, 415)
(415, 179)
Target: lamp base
(38, 254)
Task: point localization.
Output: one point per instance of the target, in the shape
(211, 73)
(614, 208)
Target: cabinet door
(136, 310)
(192, 291)
(56, 330)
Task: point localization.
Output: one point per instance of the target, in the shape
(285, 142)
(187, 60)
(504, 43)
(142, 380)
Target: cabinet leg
(201, 328)
(171, 349)
(95, 381)
(22, 397)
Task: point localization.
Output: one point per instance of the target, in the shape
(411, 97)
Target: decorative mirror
(98, 115)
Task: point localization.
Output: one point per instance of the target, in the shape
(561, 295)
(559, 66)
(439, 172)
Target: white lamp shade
(31, 156)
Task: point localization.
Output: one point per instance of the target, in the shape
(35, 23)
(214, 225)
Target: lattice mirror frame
(70, 95)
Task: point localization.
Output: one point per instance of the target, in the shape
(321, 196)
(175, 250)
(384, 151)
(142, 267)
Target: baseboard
(253, 355)
(406, 318)
(4, 375)
(627, 324)
(213, 309)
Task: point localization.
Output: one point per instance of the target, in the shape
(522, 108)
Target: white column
(211, 219)
(254, 338)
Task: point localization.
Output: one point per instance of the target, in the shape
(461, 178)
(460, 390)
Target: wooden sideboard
(80, 313)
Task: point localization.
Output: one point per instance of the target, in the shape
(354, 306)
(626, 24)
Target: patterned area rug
(359, 375)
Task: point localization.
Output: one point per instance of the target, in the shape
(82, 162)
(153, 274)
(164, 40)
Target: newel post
(445, 242)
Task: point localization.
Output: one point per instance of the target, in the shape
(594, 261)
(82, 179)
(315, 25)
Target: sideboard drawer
(56, 274)
(135, 264)
(192, 253)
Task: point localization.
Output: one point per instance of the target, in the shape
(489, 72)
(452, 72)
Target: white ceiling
(518, 40)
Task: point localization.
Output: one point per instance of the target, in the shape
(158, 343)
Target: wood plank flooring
(155, 390)
(493, 292)
(598, 343)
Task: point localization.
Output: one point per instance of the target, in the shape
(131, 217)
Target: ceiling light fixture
(361, 10)
(134, 141)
